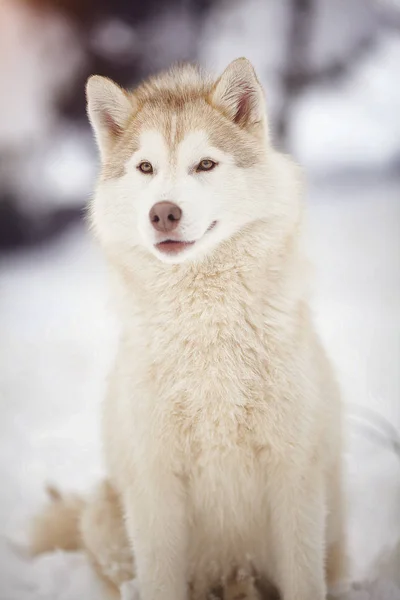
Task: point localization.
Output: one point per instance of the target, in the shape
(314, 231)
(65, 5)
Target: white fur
(222, 424)
(222, 195)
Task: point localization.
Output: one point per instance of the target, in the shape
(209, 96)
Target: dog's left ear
(239, 95)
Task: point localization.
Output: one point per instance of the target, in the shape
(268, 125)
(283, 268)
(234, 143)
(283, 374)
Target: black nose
(165, 216)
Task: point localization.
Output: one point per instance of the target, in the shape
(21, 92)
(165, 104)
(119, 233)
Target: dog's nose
(165, 216)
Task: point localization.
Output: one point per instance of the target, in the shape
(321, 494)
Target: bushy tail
(57, 527)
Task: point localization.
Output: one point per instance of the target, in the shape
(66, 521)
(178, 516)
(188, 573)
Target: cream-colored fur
(222, 423)
(57, 526)
(96, 525)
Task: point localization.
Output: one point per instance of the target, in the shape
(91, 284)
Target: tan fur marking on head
(173, 132)
(175, 103)
(115, 165)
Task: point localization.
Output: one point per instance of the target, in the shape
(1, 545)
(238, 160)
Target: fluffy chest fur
(211, 379)
(209, 363)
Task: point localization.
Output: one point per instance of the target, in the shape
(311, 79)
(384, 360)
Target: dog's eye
(145, 167)
(206, 165)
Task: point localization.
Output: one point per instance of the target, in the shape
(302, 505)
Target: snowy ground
(57, 338)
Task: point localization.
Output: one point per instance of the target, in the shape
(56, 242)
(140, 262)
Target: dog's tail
(57, 527)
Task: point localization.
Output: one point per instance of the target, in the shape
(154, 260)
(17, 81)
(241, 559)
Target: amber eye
(206, 165)
(146, 167)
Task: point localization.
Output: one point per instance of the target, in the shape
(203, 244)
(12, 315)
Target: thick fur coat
(222, 422)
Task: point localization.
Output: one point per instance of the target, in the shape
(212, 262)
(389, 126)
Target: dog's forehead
(180, 132)
(178, 122)
(192, 126)
(168, 148)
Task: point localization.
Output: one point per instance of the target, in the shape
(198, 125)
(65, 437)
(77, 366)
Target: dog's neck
(252, 268)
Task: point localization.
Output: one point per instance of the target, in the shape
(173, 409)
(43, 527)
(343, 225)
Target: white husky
(222, 425)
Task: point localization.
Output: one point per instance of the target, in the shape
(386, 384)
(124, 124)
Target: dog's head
(183, 160)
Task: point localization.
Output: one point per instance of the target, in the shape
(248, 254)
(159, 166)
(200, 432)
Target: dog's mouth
(171, 246)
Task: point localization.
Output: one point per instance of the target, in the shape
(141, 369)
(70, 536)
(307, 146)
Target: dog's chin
(190, 253)
(179, 251)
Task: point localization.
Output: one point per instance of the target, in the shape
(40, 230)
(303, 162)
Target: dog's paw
(241, 585)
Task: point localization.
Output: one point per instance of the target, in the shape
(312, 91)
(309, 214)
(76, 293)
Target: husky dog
(222, 422)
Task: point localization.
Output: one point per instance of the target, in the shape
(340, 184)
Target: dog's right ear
(109, 108)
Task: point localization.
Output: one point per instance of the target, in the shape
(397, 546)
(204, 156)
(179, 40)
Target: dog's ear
(109, 108)
(239, 95)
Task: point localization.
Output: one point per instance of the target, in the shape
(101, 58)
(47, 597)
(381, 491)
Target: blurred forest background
(331, 72)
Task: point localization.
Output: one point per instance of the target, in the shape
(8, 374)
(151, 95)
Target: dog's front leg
(156, 521)
(298, 534)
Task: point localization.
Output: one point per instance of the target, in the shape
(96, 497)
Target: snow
(61, 576)
(352, 124)
(58, 338)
